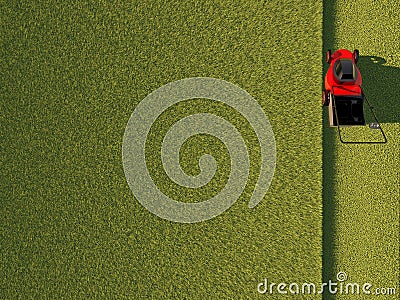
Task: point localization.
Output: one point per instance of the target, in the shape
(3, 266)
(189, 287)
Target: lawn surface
(72, 74)
(361, 187)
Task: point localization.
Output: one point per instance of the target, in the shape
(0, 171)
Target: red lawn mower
(344, 96)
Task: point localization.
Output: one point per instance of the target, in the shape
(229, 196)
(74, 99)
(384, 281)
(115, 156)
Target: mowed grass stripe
(74, 73)
(366, 179)
(246, 44)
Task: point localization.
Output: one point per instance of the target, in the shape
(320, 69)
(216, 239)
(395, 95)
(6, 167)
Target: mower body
(343, 84)
(344, 96)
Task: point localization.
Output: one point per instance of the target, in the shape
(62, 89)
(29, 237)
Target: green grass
(361, 186)
(72, 73)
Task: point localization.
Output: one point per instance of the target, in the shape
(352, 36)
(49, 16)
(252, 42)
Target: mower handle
(373, 113)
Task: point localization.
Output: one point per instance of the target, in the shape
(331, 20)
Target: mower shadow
(380, 84)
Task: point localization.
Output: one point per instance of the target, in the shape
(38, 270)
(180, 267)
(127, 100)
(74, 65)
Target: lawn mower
(344, 96)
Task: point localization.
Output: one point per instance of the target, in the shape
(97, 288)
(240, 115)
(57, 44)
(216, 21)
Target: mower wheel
(356, 55)
(325, 98)
(328, 56)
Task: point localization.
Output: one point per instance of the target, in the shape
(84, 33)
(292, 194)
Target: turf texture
(361, 186)
(73, 72)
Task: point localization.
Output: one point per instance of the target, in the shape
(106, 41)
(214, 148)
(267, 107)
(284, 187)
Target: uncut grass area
(365, 179)
(72, 74)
